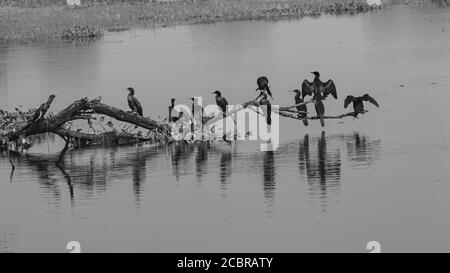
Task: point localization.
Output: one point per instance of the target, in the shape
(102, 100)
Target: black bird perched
(221, 102)
(133, 102)
(301, 108)
(263, 87)
(320, 90)
(358, 103)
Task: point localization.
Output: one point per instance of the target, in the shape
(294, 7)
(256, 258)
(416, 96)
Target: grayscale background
(382, 177)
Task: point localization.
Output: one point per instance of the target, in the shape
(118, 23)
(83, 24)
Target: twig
(295, 105)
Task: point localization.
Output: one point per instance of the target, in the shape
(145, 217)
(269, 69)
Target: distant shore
(24, 21)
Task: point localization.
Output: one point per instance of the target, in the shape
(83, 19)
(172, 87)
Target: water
(381, 177)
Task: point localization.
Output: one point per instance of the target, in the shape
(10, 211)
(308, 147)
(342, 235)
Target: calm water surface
(384, 176)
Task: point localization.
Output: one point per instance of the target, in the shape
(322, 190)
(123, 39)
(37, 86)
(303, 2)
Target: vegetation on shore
(52, 20)
(33, 20)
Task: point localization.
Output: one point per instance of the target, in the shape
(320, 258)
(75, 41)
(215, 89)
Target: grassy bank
(33, 20)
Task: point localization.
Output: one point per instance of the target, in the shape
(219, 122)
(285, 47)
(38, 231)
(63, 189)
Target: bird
(358, 103)
(133, 102)
(301, 108)
(320, 91)
(221, 102)
(263, 87)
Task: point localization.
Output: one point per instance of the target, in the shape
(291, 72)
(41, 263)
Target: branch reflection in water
(88, 173)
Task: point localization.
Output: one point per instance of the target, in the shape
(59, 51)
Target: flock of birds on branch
(317, 89)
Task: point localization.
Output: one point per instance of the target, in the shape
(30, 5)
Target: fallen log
(295, 116)
(235, 110)
(80, 109)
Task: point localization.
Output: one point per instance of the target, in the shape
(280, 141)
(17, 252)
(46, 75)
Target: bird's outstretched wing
(307, 89)
(368, 98)
(330, 88)
(348, 100)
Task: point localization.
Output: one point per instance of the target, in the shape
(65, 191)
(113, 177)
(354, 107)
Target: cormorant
(301, 108)
(358, 103)
(320, 90)
(134, 104)
(221, 102)
(263, 87)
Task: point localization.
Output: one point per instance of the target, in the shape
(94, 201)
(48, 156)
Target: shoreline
(55, 22)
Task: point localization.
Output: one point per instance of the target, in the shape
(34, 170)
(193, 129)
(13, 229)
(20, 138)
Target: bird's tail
(269, 114)
(269, 92)
(322, 121)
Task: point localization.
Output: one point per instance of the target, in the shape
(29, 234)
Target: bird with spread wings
(358, 103)
(320, 91)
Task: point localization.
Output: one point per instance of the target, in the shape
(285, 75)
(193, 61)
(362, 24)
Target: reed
(31, 20)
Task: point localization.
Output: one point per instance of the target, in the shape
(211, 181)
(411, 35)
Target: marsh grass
(31, 20)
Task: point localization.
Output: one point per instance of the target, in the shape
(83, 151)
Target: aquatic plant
(24, 20)
(80, 32)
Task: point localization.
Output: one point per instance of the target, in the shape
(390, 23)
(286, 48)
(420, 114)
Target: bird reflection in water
(139, 172)
(361, 151)
(180, 153)
(201, 160)
(225, 170)
(322, 169)
(92, 169)
(269, 180)
(86, 172)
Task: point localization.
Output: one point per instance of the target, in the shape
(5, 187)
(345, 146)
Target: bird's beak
(312, 73)
(291, 91)
(213, 92)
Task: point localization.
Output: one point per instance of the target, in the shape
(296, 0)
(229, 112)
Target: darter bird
(133, 102)
(301, 108)
(221, 102)
(358, 103)
(263, 87)
(320, 90)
